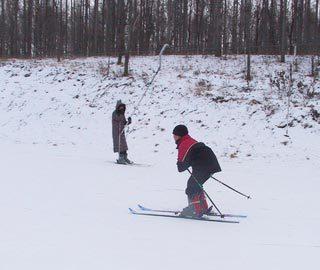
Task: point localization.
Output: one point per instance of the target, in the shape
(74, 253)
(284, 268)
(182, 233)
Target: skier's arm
(182, 166)
(185, 164)
(127, 122)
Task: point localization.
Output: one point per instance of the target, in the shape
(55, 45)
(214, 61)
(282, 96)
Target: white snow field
(64, 203)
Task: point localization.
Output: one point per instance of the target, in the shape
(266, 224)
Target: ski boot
(197, 206)
(121, 159)
(193, 210)
(188, 212)
(128, 161)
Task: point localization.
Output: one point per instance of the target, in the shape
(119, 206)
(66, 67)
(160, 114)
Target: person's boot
(126, 159)
(121, 159)
(188, 212)
(194, 209)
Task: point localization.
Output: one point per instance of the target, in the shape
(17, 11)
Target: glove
(129, 120)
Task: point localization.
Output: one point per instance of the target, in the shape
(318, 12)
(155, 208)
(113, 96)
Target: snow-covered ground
(64, 204)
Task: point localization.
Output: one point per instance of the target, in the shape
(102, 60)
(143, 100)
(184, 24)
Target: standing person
(203, 162)
(119, 123)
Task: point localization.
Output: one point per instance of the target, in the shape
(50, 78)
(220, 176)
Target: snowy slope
(64, 204)
(71, 102)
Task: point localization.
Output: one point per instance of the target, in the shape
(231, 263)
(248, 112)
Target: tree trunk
(94, 48)
(217, 22)
(121, 30)
(247, 30)
(283, 37)
(2, 30)
(234, 31)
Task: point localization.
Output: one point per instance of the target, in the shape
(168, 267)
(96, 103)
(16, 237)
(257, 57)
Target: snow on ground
(64, 204)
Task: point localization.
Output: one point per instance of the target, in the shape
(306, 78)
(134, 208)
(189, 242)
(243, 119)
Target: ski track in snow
(64, 205)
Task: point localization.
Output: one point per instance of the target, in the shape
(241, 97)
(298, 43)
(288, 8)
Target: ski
(130, 164)
(180, 217)
(134, 164)
(178, 211)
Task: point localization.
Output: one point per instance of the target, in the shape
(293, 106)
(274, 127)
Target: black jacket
(201, 158)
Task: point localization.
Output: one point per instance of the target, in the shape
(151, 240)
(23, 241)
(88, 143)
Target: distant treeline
(45, 28)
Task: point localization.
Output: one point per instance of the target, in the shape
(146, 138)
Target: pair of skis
(211, 217)
(130, 164)
(135, 164)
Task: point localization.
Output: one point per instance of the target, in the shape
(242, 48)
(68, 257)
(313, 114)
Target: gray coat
(118, 124)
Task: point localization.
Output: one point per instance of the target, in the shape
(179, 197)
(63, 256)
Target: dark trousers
(192, 186)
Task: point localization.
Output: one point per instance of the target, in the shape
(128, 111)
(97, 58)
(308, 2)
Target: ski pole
(195, 179)
(248, 197)
(151, 81)
(165, 46)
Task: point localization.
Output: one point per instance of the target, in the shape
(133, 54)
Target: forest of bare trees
(45, 28)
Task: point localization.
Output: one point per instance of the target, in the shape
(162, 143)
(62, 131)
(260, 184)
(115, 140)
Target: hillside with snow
(70, 103)
(64, 203)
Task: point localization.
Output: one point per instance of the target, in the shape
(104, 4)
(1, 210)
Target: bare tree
(283, 23)
(121, 30)
(95, 30)
(2, 29)
(90, 27)
(234, 31)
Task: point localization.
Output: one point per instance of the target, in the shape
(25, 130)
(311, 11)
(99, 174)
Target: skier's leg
(203, 177)
(196, 193)
(203, 202)
(126, 158)
(121, 159)
(194, 208)
(196, 202)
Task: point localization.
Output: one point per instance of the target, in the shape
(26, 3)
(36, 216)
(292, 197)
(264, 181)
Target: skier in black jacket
(203, 162)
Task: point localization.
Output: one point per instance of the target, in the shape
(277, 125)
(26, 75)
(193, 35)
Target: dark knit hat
(180, 130)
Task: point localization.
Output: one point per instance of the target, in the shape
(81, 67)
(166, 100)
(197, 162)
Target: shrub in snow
(202, 87)
(315, 115)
